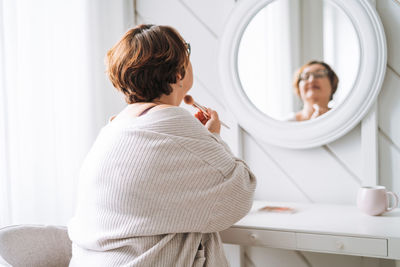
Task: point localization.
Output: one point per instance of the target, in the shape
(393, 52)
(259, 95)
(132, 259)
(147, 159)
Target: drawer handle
(253, 237)
(339, 245)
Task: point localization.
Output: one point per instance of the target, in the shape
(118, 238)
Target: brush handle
(204, 110)
(223, 124)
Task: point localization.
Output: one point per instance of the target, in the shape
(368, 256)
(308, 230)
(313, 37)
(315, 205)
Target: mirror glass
(281, 38)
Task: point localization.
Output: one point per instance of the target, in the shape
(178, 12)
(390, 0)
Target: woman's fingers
(213, 124)
(200, 116)
(213, 114)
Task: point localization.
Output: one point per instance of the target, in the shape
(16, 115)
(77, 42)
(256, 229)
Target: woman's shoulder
(175, 119)
(176, 129)
(152, 117)
(174, 122)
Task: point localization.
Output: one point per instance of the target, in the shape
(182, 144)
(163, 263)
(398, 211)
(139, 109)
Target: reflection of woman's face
(315, 87)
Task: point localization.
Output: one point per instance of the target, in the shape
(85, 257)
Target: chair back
(35, 245)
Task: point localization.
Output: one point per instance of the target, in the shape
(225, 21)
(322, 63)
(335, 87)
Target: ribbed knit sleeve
(234, 199)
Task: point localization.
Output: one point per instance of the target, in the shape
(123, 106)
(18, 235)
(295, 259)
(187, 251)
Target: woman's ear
(178, 77)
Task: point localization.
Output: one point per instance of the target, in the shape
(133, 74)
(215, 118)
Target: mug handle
(396, 200)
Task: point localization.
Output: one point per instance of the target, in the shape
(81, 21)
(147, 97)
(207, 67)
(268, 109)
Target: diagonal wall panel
(389, 108)
(389, 11)
(320, 176)
(347, 150)
(273, 183)
(389, 163)
(212, 13)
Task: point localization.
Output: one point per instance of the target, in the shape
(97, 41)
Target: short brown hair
(146, 60)
(333, 78)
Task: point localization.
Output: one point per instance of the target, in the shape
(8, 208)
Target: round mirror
(272, 51)
(272, 91)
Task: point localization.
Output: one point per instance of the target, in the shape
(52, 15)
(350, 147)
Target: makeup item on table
(278, 209)
(188, 99)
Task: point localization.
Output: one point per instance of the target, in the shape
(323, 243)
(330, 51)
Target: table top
(322, 219)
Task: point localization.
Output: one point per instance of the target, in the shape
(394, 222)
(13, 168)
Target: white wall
(326, 174)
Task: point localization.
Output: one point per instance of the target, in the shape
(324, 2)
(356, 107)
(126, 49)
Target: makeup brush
(188, 99)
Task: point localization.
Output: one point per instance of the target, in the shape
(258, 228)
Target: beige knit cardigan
(155, 191)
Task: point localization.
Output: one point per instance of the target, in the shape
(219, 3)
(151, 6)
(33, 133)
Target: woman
(157, 185)
(315, 83)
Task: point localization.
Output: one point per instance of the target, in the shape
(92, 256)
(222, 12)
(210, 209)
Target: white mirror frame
(331, 125)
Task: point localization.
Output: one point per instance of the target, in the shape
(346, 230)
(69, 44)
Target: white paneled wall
(389, 99)
(331, 173)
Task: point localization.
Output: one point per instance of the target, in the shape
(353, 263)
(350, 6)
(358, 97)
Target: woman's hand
(318, 111)
(211, 122)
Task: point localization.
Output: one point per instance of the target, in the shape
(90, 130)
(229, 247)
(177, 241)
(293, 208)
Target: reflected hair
(333, 78)
(146, 60)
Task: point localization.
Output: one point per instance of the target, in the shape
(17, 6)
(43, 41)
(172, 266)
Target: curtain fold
(4, 185)
(55, 97)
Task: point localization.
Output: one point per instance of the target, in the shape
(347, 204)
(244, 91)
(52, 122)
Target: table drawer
(250, 237)
(342, 244)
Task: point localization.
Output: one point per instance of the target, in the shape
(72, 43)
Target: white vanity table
(338, 229)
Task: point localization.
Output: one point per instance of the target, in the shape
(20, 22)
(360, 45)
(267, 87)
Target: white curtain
(54, 98)
(341, 50)
(266, 58)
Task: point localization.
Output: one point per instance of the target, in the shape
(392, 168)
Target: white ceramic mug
(374, 200)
